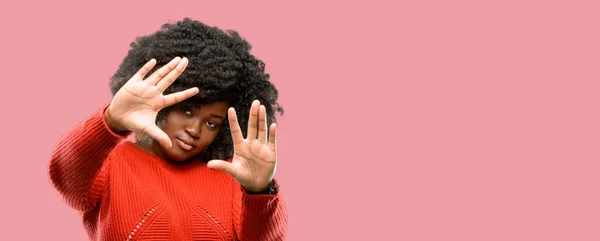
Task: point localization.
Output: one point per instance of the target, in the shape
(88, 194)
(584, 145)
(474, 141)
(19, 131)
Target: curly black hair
(220, 65)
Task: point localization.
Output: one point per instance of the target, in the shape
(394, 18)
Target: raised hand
(136, 105)
(255, 158)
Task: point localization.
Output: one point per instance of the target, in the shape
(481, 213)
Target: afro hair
(220, 65)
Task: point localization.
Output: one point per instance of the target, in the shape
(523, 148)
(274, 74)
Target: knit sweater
(125, 193)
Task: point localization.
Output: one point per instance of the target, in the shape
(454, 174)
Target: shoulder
(127, 150)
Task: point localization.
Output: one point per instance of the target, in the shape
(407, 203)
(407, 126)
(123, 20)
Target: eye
(212, 124)
(186, 111)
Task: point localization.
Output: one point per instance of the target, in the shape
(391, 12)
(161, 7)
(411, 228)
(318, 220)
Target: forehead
(218, 106)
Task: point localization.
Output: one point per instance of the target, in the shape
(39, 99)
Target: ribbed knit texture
(125, 193)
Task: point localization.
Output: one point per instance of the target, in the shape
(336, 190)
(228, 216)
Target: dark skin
(190, 131)
(136, 105)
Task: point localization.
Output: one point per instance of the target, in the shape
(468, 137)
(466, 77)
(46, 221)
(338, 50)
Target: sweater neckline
(136, 151)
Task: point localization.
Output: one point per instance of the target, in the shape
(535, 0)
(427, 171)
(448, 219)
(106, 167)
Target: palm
(255, 158)
(136, 105)
(253, 161)
(141, 104)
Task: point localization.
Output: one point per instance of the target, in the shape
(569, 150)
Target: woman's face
(190, 130)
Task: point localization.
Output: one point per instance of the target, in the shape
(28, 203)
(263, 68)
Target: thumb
(159, 135)
(223, 166)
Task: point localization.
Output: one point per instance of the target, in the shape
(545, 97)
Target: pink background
(436, 120)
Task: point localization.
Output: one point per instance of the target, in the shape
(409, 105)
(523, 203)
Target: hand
(255, 158)
(136, 105)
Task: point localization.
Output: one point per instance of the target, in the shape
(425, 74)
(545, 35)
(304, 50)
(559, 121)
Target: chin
(178, 159)
(180, 155)
(173, 155)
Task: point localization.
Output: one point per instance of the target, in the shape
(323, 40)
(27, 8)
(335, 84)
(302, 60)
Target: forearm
(78, 158)
(260, 216)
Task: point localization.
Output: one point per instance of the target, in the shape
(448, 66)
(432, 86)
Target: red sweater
(125, 193)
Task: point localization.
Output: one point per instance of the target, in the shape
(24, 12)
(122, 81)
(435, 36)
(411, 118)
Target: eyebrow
(215, 115)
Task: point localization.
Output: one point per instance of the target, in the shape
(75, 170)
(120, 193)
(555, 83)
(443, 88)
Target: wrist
(270, 189)
(111, 123)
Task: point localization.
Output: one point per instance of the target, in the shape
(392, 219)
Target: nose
(193, 129)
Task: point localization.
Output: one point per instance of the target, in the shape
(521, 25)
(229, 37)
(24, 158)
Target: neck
(150, 145)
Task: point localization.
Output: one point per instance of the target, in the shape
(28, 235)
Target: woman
(190, 174)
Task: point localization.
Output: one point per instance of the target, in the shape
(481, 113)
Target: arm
(79, 166)
(78, 158)
(259, 216)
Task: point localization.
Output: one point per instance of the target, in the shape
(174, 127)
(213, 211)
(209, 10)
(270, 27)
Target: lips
(185, 143)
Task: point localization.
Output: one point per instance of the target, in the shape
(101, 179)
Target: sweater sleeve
(78, 166)
(259, 216)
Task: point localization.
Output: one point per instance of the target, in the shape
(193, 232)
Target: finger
(144, 70)
(158, 135)
(180, 96)
(163, 71)
(253, 120)
(234, 126)
(273, 137)
(165, 82)
(223, 166)
(262, 124)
